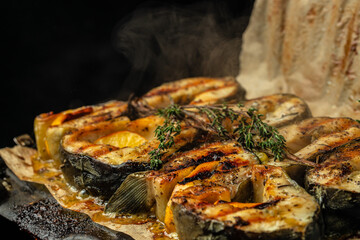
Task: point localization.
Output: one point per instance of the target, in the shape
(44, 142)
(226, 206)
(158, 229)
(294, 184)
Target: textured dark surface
(31, 212)
(47, 219)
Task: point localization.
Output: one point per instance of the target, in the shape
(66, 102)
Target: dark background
(64, 54)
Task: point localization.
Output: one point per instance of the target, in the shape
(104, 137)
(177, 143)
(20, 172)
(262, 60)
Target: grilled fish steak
(195, 91)
(68, 137)
(336, 181)
(101, 168)
(158, 185)
(280, 109)
(158, 188)
(49, 128)
(312, 135)
(209, 188)
(281, 209)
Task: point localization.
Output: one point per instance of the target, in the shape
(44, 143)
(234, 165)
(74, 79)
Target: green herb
(254, 134)
(251, 132)
(166, 133)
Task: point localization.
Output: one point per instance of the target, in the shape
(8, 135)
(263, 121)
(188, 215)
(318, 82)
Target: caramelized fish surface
(280, 209)
(208, 187)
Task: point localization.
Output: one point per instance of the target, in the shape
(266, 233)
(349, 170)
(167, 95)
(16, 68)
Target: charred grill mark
(199, 176)
(174, 88)
(238, 91)
(210, 157)
(44, 116)
(161, 91)
(267, 204)
(348, 150)
(97, 151)
(78, 114)
(187, 147)
(241, 222)
(199, 140)
(103, 117)
(344, 150)
(345, 169)
(107, 116)
(227, 165)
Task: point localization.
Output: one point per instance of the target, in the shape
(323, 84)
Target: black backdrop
(64, 54)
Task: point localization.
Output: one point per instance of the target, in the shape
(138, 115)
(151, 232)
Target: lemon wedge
(122, 139)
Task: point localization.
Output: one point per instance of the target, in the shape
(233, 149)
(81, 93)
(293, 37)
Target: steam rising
(168, 43)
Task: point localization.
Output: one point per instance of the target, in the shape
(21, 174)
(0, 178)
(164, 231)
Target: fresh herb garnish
(166, 133)
(250, 131)
(254, 134)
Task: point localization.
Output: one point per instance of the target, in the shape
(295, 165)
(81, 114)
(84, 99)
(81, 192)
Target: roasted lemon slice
(122, 139)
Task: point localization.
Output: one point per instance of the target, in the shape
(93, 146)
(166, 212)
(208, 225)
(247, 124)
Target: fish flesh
(158, 185)
(101, 168)
(280, 209)
(68, 137)
(335, 182)
(208, 187)
(157, 189)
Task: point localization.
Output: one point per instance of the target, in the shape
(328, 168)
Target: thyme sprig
(250, 131)
(254, 134)
(210, 118)
(166, 133)
(175, 114)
